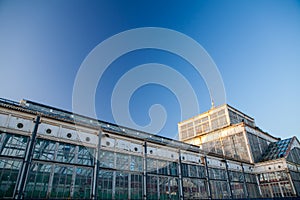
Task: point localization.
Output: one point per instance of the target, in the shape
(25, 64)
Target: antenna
(212, 104)
(212, 100)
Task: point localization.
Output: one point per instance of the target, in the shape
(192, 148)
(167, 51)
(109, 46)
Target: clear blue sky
(255, 44)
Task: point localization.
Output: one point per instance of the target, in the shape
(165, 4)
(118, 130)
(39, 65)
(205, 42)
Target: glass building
(48, 153)
(230, 133)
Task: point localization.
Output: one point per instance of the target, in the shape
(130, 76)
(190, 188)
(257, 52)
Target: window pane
(83, 183)
(8, 176)
(14, 145)
(38, 180)
(105, 183)
(107, 159)
(62, 182)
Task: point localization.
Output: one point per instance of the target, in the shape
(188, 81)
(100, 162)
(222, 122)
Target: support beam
(73, 181)
(145, 171)
(228, 179)
(52, 171)
(21, 181)
(96, 167)
(207, 178)
(245, 183)
(181, 195)
(3, 141)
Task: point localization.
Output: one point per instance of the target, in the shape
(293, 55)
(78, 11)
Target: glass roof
(277, 150)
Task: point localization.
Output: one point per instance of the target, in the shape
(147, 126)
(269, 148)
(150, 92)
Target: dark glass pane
(38, 180)
(9, 170)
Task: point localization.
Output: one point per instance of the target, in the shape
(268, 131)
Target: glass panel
(219, 190)
(213, 146)
(66, 153)
(194, 188)
(287, 189)
(174, 193)
(136, 163)
(201, 172)
(251, 178)
(228, 146)
(9, 170)
(295, 175)
(265, 190)
(44, 149)
(185, 170)
(121, 191)
(136, 186)
(152, 187)
(61, 185)
(105, 183)
(122, 161)
(297, 187)
(238, 190)
(85, 156)
(163, 188)
(83, 183)
(162, 167)
(275, 189)
(236, 176)
(214, 124)
(173, 168)
(38, 180)
(240, 146)
(217, 174)
(193, 171)
(14, 145)
(253, 190)
(151, 166)
(107, 159)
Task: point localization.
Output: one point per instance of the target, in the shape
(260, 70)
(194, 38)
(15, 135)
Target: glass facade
(276, 149)
(61, 170)
(120, 163)
(194, 181)
(12, 152)
(275, 184)
(236, 118)
(204, 124)
(233, 146)
(215, 119)
(8, 176)
(120, 176)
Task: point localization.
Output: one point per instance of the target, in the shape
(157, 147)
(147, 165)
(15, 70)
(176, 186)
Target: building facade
(47, 152)
(230, 133)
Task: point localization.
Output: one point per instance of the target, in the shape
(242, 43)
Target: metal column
(21, 181)
(245, 184)
(207, 178)
(73, 181)
(96, 167)
(228, 178)
(50, 183)
(2, 142)
(145, 171)
(180, 177)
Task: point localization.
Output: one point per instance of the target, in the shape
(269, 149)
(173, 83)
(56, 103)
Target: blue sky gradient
(255, 44)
